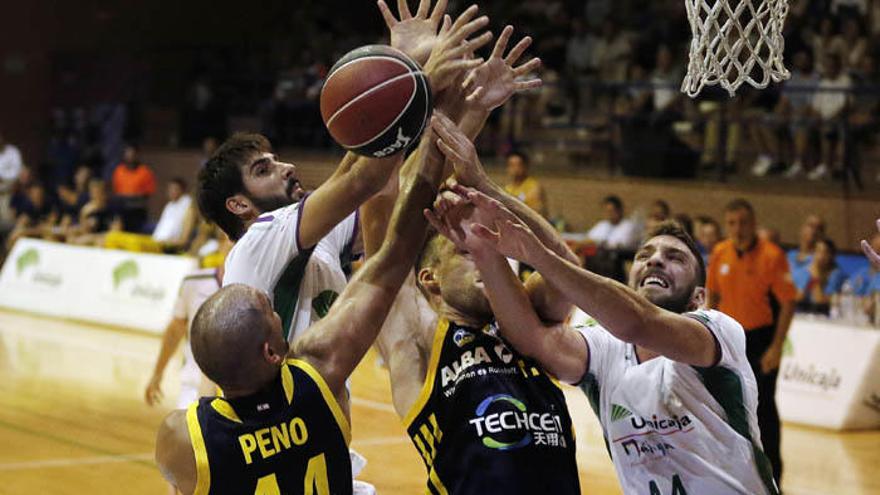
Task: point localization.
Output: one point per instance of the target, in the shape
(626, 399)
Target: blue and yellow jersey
(290, 438)
(490, 420)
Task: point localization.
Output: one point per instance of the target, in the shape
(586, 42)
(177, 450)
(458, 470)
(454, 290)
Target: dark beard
(270, 204)
(675, 304)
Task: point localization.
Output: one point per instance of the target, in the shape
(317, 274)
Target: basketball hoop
(735, 41)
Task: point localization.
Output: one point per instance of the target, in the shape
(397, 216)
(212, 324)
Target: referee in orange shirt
(743, 272)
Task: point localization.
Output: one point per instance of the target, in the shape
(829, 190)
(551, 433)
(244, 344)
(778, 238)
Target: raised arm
(559, 349)
(355, 180)
(549, 303)
(337, 343)
(618, 308)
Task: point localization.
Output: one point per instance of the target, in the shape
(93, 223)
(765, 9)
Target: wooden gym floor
(72, 421)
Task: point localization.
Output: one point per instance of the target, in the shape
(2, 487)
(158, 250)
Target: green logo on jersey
(321, 304)
(124, 271)
(619, 412)
(26, 259)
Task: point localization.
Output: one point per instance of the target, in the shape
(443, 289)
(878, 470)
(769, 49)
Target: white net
(735, 41)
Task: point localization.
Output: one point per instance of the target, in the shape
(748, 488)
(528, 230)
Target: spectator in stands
(72, 197)
(209, 146)
(853, 44)
(612, 53)
(820, 281)
(523, 186)
(96, 218)
(10, 168)
(171, 222)
(829, 104)
(615, 231)
(790, 115)
(825, 43)
(659, 213)
(35, 215)
(811, 231)
(666, 79)
(708, 234)
(133, 184)
(580, 66)
(744, 272)
(867, 280)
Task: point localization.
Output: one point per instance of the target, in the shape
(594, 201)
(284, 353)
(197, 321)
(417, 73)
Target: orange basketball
(376, 101)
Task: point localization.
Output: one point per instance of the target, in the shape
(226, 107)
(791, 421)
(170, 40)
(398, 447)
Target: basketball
(376, 101)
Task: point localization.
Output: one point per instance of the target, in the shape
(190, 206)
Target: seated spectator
(685, 222)
(615, 231)
(820, 281)
(708, 234)
(133, 184)
(35, 215)
(659, 213)
(666, 80)
(867, 280)
(812, 230)
(790, 116)
(173, 233)
(828, 105)
(170, 225)
(853, 43)
(96, 218)
(10, 168)
(72, 197)
(612, 52)
(825, 42)
(523, 186)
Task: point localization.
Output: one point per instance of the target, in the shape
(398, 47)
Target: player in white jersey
(670, 383)
(302, 283)
(194, 290)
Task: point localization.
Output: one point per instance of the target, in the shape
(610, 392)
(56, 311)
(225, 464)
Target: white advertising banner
(111, 287)
(830, 376)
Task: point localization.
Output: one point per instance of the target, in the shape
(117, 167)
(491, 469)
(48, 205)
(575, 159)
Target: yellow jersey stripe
(287, 383)
(203, 470)
(329, 398)
(225, 409)
(434, 478)
(428, 386)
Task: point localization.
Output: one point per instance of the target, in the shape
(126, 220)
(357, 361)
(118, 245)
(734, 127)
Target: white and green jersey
(302, 284)
(676, 429)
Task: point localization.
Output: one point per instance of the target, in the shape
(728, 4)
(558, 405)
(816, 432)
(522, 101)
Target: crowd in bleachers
(72, 202)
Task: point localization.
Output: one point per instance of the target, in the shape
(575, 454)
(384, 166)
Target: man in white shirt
(10, 168)
(670, 382)
(829, 103)
(170, 224)
(615, 232)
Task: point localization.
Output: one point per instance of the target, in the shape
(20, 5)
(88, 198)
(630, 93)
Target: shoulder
(721, 250)
(730, 334)
(174, 452)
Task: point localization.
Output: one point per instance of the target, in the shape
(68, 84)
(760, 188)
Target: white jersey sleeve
(604, 352)
(261, 255)
(728, 333)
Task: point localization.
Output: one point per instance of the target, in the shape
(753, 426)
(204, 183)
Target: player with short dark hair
(670, 382)
(280, 426)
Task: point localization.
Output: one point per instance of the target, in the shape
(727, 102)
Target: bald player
(280, 427)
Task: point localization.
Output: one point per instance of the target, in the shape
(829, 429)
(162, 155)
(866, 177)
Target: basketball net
(735, 41)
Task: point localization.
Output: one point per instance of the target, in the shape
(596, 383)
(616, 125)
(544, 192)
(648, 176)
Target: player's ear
(271, 356)
(428, 281)
(239, 205)
(698, 299)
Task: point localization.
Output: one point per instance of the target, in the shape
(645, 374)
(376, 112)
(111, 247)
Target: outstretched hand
(501, 228)
(414, 35)
(459, 150)
(872, 255)
(452, 54)
(493, 83)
